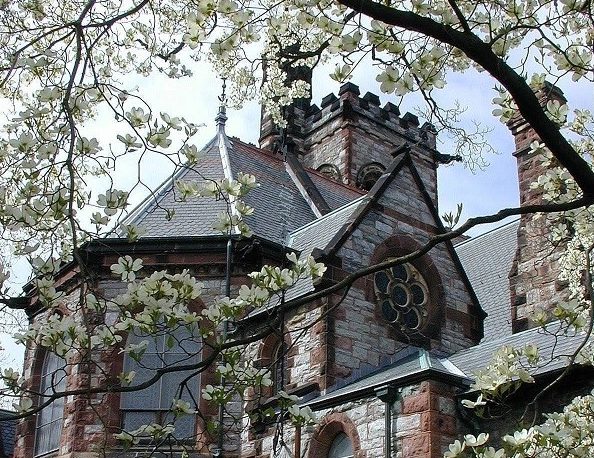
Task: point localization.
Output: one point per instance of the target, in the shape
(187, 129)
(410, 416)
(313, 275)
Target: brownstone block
(417, 446)
(438, 423)
(345, 343)
(416, 403)
(318, 356)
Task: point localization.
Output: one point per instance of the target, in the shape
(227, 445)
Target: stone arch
(268, 354)
(332, 425)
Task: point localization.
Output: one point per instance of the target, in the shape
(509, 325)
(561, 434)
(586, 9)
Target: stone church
(383, 364)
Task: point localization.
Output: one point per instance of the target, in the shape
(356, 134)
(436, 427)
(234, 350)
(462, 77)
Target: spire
(222, 114)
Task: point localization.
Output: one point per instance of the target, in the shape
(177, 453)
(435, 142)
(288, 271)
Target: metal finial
(223, 96)
(222, 115)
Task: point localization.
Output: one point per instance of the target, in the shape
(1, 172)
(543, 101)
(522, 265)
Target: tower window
(331, 171)
(369, 174)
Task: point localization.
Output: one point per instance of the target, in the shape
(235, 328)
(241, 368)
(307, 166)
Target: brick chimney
(534, 277)
(270, 133)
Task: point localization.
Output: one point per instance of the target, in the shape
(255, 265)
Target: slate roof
(193, 217)
(409, 363)
(554, 347)
(318, 234)
(335, 194)
(487, 260)
(279, 203)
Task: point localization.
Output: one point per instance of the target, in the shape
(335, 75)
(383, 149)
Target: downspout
(219, 451)
(297, 453)
(388, 395)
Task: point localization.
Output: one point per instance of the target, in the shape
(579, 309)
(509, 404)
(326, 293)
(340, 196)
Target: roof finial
(222, 114)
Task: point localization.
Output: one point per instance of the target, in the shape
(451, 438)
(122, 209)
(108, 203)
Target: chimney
(534, 283)
(270, 133)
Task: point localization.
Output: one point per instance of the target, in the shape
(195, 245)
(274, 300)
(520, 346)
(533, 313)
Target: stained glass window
(403, 297)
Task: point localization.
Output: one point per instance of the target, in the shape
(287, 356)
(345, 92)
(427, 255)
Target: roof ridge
(490, 231)
(257, 149)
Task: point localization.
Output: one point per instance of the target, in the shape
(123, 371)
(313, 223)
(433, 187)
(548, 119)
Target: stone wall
(423, 422)
(90, 420)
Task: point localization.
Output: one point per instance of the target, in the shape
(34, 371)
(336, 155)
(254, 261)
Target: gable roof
(487, 260)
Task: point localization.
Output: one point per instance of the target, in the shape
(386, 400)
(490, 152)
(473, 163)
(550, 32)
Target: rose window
(403, 297)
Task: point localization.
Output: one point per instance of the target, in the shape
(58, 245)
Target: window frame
(159, 352)
(52, 364)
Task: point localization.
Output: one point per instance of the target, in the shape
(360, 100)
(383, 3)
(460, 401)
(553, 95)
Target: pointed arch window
(153, 404)
(50, 419)
(278, 369)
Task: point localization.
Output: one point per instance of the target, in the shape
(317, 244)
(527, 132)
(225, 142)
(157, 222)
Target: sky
(480, 191)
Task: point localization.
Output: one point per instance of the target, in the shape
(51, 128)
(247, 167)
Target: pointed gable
(398, 218)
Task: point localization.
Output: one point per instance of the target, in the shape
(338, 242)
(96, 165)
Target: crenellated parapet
(348, 103)
(354, 138)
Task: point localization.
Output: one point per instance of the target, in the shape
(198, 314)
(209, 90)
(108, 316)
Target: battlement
(349, 104)
(352, 138)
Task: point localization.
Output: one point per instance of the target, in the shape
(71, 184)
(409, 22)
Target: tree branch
(481, 53)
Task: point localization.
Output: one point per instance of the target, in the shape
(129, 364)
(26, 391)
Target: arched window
(369, 174)
(341, 447)
(49, 419)
(273, 356)
(331, 171)
(153, 404)
(335, 437)
(278, 369)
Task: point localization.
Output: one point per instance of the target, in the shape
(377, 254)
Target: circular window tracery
(369, 174)
(330, 171)
(403, 297)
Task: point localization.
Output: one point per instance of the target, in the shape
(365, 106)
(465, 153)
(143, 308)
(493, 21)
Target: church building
(383, 364)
